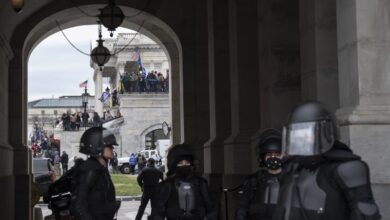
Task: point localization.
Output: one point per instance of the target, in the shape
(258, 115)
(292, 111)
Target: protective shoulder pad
(353, 173)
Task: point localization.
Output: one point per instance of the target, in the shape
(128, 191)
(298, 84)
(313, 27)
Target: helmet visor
(300, 139)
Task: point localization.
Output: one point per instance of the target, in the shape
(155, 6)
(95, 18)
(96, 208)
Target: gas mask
(273, 163)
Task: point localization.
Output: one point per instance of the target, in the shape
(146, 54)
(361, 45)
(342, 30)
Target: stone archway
(152, 27)
(145, 132)
(30, 33)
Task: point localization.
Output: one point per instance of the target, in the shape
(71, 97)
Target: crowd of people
(139, 161)
(141, 82)
(73, 122)
(42, 145)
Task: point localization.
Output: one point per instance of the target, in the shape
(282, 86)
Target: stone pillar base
(382, 195)
(238, 154)
(229, 182)
(366, 130)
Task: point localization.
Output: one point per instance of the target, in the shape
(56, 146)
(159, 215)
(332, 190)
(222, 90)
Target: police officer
(94, 194)
(325, 180)
(259, 195)
(148, 180)
(183, 195)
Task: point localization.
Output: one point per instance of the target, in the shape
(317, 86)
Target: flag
(137, 57)
(139, 61)
(83, 84)
(105, 96)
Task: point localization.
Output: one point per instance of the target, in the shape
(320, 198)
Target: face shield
(308, 138)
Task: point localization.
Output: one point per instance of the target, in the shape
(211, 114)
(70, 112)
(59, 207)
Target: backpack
(59, 194)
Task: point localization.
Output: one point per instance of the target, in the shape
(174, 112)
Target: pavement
(127, 211)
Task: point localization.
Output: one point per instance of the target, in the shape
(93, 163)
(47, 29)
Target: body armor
(186, 194)
(336, 187)
(258, 197)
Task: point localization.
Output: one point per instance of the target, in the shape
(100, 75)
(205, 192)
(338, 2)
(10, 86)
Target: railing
(128, 35)
(147, 86)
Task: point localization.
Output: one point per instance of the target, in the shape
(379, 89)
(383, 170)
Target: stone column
(279, 61)
(17, 127)
(195, 81)
(318, 50)
(219, 91)
(7, 175)
(244, 86)
(98, 80)
(244, 93)
(363, 32)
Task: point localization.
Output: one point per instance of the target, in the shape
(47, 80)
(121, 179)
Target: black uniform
(64, 162)
(258, 197)
(94, 195)
(179, 198)
(332, 186)
(148, 180)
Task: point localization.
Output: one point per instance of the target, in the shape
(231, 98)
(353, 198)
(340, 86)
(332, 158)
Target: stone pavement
(128, 210)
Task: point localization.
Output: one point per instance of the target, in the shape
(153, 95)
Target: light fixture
(100, 54)
(17, 5)
(166, 129)
(111, 16)
(84, 99)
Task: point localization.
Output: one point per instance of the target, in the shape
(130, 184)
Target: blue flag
(105, 96)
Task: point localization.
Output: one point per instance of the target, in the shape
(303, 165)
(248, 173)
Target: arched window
(152, 137)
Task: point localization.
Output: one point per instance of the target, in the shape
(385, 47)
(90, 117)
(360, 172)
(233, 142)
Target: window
(157, 66)
(152, 137)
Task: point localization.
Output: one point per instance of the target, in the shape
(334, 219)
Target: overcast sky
(56, 68)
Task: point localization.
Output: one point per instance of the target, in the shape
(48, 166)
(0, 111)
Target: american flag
(84, 84)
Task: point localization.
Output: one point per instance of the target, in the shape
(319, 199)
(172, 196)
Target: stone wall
(142, 113)
(70, 142)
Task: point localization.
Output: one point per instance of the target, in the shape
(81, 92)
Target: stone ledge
(364, 115)
(144, 95)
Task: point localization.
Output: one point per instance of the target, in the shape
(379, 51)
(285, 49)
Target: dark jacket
(166, 203)
(64, 158)
(258, 197)
(94, 194)
(133, 160)
(149, 177)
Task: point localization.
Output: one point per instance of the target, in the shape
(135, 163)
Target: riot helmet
(269, 141)
(95, 139)
(311, 130)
